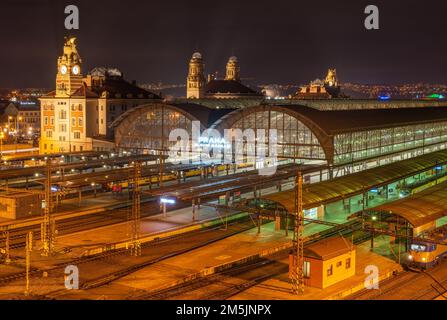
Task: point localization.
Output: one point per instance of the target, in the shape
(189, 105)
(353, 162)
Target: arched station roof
(192, 111)
(333, 122)
(326, 141)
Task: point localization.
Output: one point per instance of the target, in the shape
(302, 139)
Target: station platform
(90, 242)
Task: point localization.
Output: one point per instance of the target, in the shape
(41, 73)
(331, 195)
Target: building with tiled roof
(76, 116)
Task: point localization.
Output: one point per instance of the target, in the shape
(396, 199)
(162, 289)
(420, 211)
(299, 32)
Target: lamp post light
(2, 135)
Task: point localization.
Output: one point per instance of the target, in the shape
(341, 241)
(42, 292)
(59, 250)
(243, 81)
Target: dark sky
(277, 41)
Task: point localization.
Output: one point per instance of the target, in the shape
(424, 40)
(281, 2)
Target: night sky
(277, 41)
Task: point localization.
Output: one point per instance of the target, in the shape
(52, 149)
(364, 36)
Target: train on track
(424, 255)
(213, 170)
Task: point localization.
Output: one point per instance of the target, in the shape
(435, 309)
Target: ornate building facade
(321, 89)
(195, 83)
(76, 116)
(228, 88)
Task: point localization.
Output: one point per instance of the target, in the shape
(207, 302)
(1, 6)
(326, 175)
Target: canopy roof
(341, 121)
(421, 208)
(329, 191)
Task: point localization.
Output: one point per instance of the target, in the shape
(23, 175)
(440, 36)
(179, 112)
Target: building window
(49, 134)
(63, 115)
(52, 121)
(74, 148)
(63, 127)
(81, 148)
(45, 146)
(77, 135)
(45, 120)
(348, 263)
(80, 122)
(306, 269)
(80, 107)
(330, 271)
(73, 122)
(339, 264)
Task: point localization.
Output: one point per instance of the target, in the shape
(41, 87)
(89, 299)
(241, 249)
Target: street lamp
(2, 135)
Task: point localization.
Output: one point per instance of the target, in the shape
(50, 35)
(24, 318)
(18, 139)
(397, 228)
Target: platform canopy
(337, 189)
(421, 208)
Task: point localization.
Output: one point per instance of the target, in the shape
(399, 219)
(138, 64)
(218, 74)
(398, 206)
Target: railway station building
(345, 141)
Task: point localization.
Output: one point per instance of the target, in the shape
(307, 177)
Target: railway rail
(271, 263)
(233, 228)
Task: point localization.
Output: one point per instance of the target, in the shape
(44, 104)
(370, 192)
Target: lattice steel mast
(47, 227)
(298, 239)
(136, 211)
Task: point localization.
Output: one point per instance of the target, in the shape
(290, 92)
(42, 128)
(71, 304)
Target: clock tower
(69, 76)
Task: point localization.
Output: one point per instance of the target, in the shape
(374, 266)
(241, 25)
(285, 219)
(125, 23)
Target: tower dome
(196, 55)
(233, 69)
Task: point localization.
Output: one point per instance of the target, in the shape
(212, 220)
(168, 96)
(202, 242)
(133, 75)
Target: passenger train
(424, 255)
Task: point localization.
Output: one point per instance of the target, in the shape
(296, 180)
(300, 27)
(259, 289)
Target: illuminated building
(319, 89)
(351, 140)
(195, 83)
(328, 262)
(75, 117)
(228, 88)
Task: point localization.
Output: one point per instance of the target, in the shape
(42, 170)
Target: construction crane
(48, 227)
(298, 240)
(135, 246)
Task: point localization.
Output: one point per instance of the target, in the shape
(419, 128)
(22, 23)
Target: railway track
(394, 287)
(87, 222)
(57, 269)
(387, 286)
(432, 293)
(271, 265)
(221, 278)
(200, 282)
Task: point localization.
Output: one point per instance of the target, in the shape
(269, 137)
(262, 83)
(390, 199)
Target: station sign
(166, 200)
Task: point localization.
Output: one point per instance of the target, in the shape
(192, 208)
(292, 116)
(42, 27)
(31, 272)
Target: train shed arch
(298, 136)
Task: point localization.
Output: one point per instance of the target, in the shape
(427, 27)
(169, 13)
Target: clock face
(76, 70)
(64, 69)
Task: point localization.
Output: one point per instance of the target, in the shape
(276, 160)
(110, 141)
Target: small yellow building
(328, 262)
